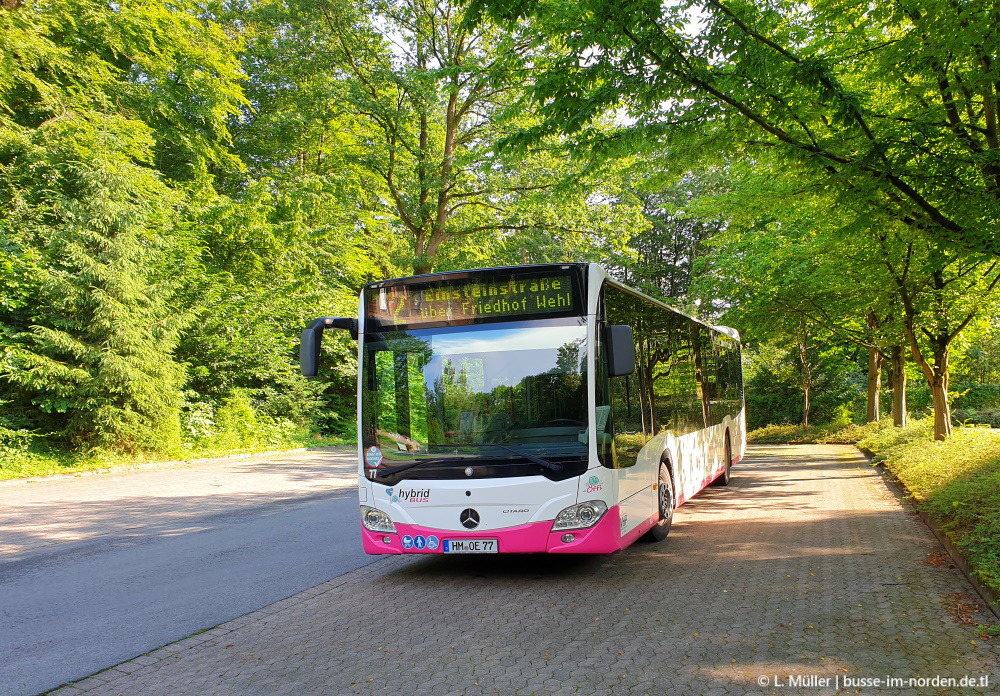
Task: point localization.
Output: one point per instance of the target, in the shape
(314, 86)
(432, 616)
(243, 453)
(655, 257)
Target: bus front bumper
(536, 537)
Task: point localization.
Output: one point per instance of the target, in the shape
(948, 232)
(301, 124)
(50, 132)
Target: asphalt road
(70, 609)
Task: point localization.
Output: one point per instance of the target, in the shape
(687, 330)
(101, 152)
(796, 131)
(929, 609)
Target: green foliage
(666, 257)
(14, 442)
(965, 397)
(977, 353)
(885, 167)
(163, 64)
(238, 424)
(98, 348)
(402, 106)
(883, 440)
(970, 416)
(184, 186)
(833, 90)
(773, 385)
(812, 434)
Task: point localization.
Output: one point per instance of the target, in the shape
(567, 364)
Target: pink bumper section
(536, 537)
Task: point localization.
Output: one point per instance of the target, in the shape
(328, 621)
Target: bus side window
(730, 382)
(631, 415)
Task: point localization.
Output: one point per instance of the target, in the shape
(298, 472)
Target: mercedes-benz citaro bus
(526, 409)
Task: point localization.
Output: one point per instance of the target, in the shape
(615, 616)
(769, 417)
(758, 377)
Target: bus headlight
(376, 520)
(580, 516)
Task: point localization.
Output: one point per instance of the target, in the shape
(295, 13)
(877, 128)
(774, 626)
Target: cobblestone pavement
(42, 512)
(805, 569)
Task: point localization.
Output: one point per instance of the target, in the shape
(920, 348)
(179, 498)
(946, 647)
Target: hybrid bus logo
(409, 496)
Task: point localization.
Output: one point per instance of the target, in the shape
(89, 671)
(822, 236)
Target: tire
(665, 507)
(726, 475)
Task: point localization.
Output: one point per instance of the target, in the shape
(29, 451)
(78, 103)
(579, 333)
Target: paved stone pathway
(804, 575)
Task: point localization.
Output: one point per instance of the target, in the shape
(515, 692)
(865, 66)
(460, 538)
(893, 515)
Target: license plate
(471, 546)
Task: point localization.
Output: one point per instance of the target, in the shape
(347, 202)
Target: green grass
(44, 459)
(956, 481)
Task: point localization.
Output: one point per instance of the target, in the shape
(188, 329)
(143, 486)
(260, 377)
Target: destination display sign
(472, 300)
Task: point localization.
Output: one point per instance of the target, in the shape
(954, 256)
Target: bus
(533, 409)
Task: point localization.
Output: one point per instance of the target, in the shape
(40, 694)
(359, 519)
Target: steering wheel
(562, 421)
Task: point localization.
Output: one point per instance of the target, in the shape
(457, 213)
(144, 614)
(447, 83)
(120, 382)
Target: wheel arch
(667, 458)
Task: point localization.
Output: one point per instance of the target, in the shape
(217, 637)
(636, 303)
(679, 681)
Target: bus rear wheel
(665, 506)
(724, 479)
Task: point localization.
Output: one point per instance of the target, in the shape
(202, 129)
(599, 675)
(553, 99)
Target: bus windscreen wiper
(544, 463)
(386, 473)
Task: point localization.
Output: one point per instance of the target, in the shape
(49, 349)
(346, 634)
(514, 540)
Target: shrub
(882, 440)
(827, 434)
(13, 442)
(784, 434)
(972, 416)
(237, 423)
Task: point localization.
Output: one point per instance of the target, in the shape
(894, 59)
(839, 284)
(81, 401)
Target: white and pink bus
(531, 409)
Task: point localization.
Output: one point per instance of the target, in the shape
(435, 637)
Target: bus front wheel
(665, 506)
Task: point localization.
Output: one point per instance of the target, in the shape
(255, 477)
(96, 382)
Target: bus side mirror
(621, 350)
(312, 341)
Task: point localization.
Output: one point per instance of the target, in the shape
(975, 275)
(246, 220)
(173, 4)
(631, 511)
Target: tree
(413, 103)
(99, 345)
(99, 101)
(881, 287)
(894, 107)
(664, 260)
(162, 64)
(268, 261)
(941, 294)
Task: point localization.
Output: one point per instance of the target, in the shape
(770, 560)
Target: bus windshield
(506, 393)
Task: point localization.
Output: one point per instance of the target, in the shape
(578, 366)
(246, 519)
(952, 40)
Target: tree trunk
(806, 374)
(934, 367)
(942, 411)
(875, 361)
(939, 390)
(898, 386)
(936, 374)
(806, 395)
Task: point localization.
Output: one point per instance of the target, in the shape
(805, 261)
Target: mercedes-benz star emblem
(469, 518)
